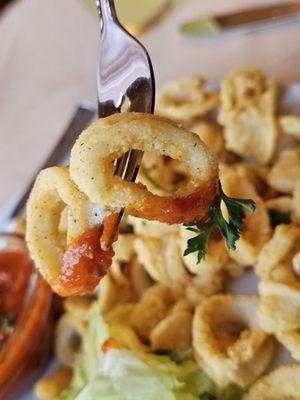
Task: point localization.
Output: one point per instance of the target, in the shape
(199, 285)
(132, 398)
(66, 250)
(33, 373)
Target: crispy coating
(279, 307)
(285, 173)
(291, 341)
(91, 167)
(146, 228)
(247, 113)
(274, 262)
(296, 202)
(290, 125)
(228, 342)
(173, 333)
(211, 134)
(280, 288)
(79, 306)
(69, 333)
(51, 387)
(164, 261)
(57, 213)
(215, 258)
(257, 228)
(153, 307)
(161, 258)
(185, 99)
(281, 384)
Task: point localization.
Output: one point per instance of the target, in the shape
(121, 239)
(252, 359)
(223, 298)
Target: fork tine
(124, 72)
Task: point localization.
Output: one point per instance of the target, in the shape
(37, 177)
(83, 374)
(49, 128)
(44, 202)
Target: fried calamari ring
(173, 333)
(275, 299)
(291, 341)
(247, 112)
(92, 169)
(290, 125)
(281, 384)
(69, 333)
(257, 228)
(275, 261)
(285, 173)
(153, 307)
(162, 258)
(228, 342)
(62, 237)
(185, 99)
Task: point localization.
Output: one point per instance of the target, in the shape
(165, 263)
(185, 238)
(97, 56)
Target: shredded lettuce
(133, 374)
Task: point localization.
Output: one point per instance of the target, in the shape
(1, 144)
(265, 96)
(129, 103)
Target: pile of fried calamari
(165, 301)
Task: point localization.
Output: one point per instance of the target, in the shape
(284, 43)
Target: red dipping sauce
(25, 319)
(15, 271)
(84, 264)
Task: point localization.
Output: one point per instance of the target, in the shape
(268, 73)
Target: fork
(124, 79)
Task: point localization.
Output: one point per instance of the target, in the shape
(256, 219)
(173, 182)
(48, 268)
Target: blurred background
(48, 58)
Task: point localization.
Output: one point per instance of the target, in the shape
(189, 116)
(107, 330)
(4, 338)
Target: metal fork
(124, 78)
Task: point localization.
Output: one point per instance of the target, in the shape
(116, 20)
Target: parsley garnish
(230, 229)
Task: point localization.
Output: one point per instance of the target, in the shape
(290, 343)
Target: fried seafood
(216, 255)
(69, 333)
(285, 173)
(280, 288)
(290, 125)
(164, 261)
(173, 333)
(291, 341)
(92, 169)
(61, 235)
(274, 262)
(152, 308)
(146, 228)
(51, 387)
(279, 307)
(281, 384)
(185, 99)
(296, 202)
(211, 134)
(257, 228)
(228, 342)
(247, 112)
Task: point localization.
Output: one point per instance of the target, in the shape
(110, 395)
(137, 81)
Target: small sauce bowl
(25, 318)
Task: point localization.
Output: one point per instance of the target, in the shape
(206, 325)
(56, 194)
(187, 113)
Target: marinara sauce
(15, 272)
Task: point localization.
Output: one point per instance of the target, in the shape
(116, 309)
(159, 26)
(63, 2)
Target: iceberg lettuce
(123, 374)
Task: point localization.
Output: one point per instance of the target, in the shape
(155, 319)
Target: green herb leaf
(179, 357)
(231, 392)
(207, 396)
(230, 229)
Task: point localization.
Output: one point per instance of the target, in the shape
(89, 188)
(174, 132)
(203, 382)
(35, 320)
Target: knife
(249, 18)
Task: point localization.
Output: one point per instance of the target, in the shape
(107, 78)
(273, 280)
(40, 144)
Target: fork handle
(107, 10)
